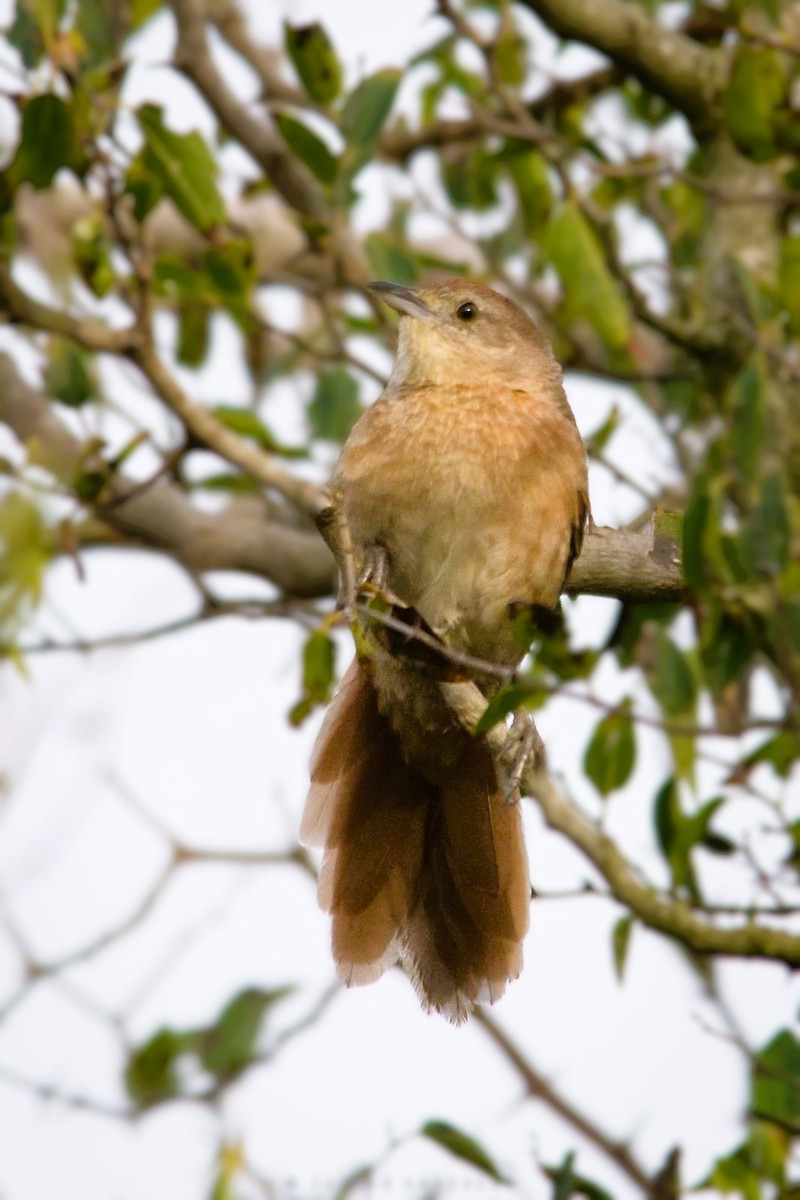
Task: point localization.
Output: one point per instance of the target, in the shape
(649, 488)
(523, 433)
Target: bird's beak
(404, 300)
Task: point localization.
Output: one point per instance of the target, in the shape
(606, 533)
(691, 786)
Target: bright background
(103, 754)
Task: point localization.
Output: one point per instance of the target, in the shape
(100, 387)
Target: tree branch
(543, 1090)
(193, 59)
(244, 536)
(673, 917)
(688, 75)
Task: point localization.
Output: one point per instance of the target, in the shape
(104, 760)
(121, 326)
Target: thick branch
(688, 75)
(242, 537)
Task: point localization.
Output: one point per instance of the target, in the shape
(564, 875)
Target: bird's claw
(524, 745)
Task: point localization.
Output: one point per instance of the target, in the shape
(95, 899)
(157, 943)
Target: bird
(467, 480)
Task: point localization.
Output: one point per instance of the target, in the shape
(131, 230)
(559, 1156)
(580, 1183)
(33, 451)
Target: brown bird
(469, 476)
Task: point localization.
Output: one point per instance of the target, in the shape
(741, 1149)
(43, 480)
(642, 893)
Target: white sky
(194, 727)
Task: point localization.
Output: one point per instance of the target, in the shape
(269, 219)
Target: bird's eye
(467, 312)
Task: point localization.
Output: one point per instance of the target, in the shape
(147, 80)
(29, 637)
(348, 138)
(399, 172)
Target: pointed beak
(404, 300)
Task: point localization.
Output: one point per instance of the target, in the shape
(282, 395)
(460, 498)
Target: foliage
(159, 246)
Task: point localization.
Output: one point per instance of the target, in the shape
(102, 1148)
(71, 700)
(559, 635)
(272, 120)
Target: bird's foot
(524, 745)
(374, 575)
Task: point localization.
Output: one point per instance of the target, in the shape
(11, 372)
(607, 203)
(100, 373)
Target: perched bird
(468, 475)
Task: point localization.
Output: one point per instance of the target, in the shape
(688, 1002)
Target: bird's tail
(430, 872)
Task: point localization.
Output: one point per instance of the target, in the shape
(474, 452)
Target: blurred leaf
(309, 148)
(389, 260)
(194, 327)
(590, 290)
(319, 665)
(367, 108)
(315, 60)
(92, 254)
(529, 172)
(568, 1184)
(514, 695)
(102, 26)
(510, 55)
(335, 406)
(470, 177)
(230, 1043)
(673, 681)
(25, 34)
(70, 376)
(49, 141)
(759, 1159)
(228, 482)
(753, 101)
(151, 1074)
(781, 751)
(245, 422)
(143, 10)
(775, 1092)
(620, 941)
(182, 166)
(611, 753)
(747, 409)
(789, 278)
(463, 1147)
(767, 534)
(25, 552)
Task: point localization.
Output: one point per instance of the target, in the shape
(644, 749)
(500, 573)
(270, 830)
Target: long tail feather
(429, 872)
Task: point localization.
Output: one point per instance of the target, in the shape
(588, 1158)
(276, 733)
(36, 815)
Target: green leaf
(182, 166)
(368, 107)
(590, 290)
(230, 1043)
(25, 551)
(245, 422)
(531, 178)
(789, 278)
(309, 148)
(319, 666)
(696, 521)
(102, 27)
(509, 56)
(471, 179)
(463, 1147)
(761, 1158)
(611, 754)
(194, 328)
(781, 752)
(228, 482)
(754, 100)
(620, 941)
(388, 259)
(143, 10)
(151, 1074)
(92, 254)
(775, 1091)
(315, 60)
(747, 404)
(25, 35)
(49, 141)
(335, 406)
(568, 1183)
(69, 377)
(673, 681)
(515, 695)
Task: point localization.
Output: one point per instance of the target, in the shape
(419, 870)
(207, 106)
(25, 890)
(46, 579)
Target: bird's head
(458, 330)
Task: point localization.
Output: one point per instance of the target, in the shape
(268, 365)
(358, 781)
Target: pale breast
(474, 502)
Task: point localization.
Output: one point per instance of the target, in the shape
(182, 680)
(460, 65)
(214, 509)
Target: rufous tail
(429, 872)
